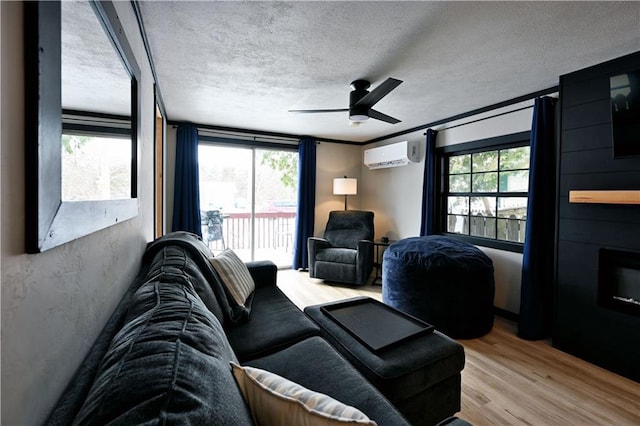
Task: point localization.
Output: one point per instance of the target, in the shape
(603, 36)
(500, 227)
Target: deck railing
(273, 230)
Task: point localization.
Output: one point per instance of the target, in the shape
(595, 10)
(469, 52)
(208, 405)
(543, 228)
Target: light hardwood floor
(507, 380)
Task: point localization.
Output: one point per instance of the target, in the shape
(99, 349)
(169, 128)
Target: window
(248, 199)
(97, 157)
(95, 167)
(484, 191)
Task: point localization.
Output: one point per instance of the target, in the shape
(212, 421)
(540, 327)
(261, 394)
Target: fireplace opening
(619, 281)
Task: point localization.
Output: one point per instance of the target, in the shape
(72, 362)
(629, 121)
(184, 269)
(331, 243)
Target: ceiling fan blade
(383, 117)
(372, 98)
(314, 111)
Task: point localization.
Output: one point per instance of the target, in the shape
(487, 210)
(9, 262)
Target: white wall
(335, 161)
(395, 194)
(55, 303)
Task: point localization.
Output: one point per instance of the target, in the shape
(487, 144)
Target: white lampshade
(345, 186)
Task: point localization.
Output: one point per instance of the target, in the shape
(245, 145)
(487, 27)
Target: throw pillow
(234, 274)
(274, 400)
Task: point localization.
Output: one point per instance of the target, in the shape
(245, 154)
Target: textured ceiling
(93, 76)
(245, 64)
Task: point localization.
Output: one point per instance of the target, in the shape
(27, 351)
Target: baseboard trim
(506, 314)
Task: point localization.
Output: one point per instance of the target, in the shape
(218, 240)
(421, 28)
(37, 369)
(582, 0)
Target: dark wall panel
(626, 179)
(585, 335)
(585, 138)
(574, 268)
(596, 161)
(601, 213)
(585, 91)
(582, 325)
(608, 234)
(626, 215)
(586, 115)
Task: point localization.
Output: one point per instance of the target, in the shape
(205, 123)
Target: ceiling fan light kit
(361, 101)
(358, 114)
(358, 117)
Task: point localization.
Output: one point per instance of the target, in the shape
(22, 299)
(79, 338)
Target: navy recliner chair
(345, 254)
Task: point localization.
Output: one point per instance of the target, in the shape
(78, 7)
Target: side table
(379, 246)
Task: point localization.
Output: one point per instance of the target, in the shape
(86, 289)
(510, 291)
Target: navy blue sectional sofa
(164, 356)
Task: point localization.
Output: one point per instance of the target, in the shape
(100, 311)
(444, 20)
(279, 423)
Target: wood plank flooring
(507, 380)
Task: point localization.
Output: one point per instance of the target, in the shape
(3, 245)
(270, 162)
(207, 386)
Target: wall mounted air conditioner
(393, 155)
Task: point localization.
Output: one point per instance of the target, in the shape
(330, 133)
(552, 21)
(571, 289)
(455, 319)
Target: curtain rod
(484, 118)
(208, 131)
(487, 117)
(287, 146)
(499, 105)
(247, 136)
(261, 134)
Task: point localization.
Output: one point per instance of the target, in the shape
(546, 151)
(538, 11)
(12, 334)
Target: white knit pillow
(274, 400)
(234, 275)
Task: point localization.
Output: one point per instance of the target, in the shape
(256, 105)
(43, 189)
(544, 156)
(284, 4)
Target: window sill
(485, 242)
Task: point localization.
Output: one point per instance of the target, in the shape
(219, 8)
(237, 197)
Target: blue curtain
(186, 198)
(306, 201)
(536, 299)
(429, 214)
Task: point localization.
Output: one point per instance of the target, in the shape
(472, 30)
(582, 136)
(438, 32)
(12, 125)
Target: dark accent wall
(582, 327)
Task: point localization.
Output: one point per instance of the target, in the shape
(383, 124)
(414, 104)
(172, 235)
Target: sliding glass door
(248, 201)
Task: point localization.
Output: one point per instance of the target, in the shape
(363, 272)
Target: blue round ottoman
(442, 281)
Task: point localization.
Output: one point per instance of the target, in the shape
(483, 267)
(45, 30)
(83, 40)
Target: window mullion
(495, 222)
(498, 200)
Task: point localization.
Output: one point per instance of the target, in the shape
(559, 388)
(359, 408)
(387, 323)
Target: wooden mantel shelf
(605, 197)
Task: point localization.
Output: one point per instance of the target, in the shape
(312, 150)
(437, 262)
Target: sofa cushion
(201, 255)
(338, 255)
(337, 272)
(347, 238)
(275, 323)
(234, 275)
(173, 263)
(275, 400)
(166, 365)
(346, 228)
(314, 364)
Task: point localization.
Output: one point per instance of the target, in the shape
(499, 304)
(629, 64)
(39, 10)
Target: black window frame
(514, 140)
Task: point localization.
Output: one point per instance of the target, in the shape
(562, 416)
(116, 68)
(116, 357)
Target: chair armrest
(364, 262)
(263, 272)
(315, 244)
(318, 243)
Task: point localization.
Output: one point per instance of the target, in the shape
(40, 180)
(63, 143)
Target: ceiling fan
(361, 101)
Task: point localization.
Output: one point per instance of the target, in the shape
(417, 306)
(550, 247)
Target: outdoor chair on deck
(345, 254)
(212, 220)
